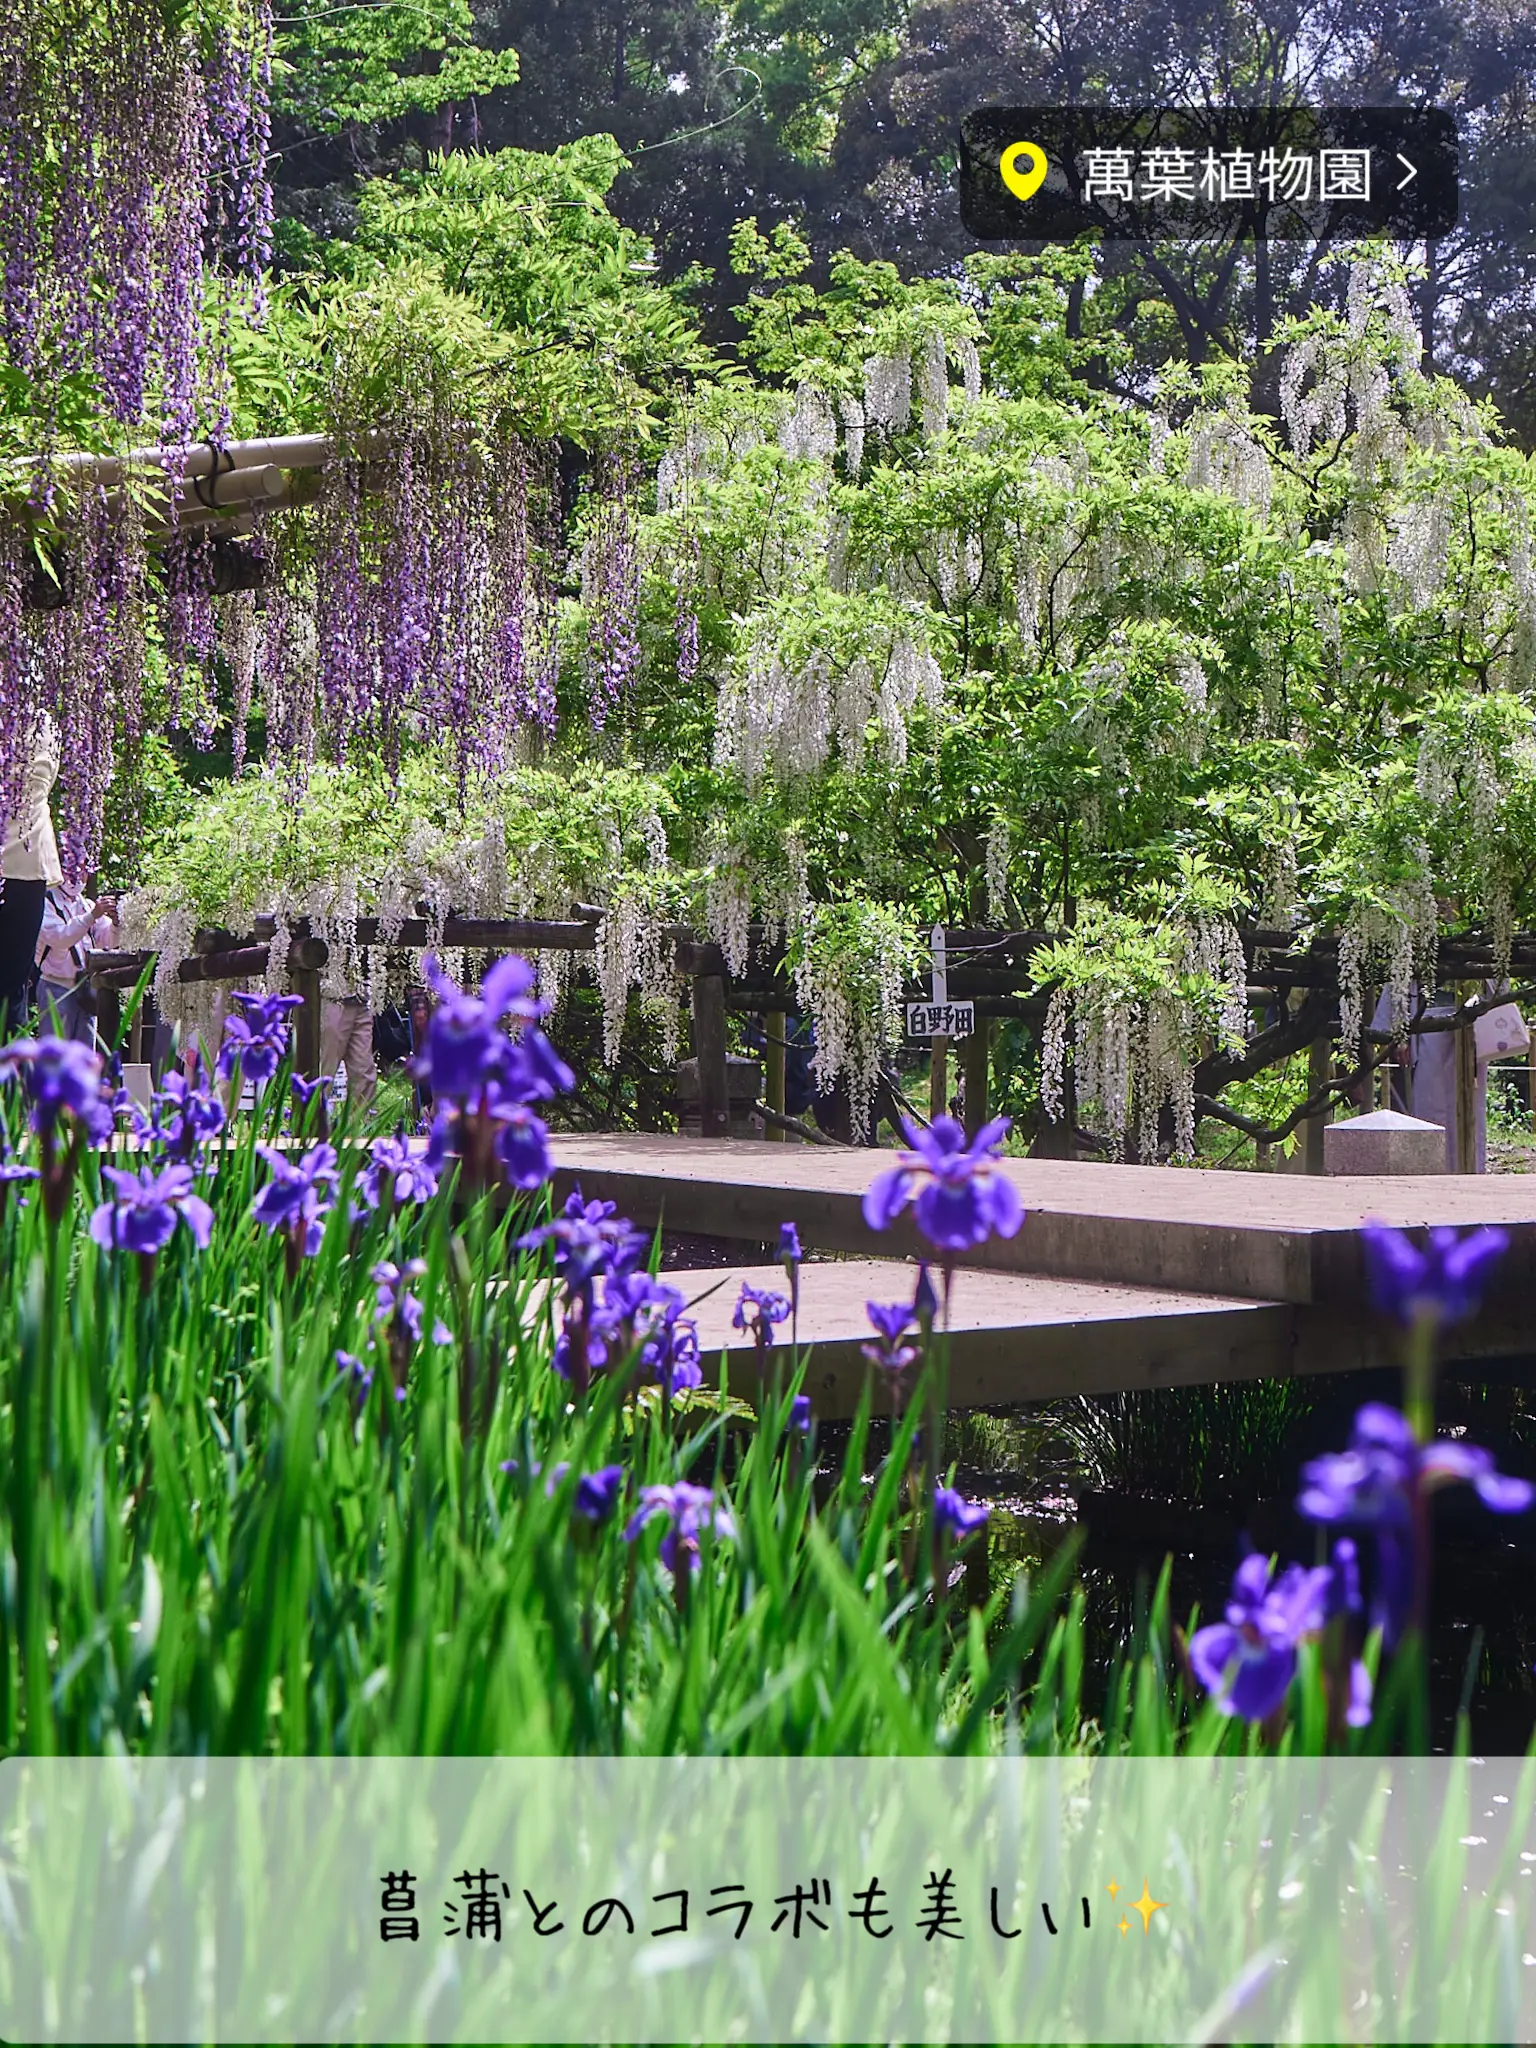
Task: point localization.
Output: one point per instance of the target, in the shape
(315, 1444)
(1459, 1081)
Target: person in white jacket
(29, 866)
(73, 926)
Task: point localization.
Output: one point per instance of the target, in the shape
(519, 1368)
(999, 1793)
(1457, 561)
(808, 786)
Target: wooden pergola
(989, 968)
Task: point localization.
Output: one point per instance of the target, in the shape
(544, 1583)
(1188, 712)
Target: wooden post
(976, 1059)
(938, 1079)
(109, 1015)
(305, 960)
(709, 1050)
(776, 1030)
(1319, 1065)
(1466, 1088)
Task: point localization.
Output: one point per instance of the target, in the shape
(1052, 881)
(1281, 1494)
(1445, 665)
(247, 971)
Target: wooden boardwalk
(1123, 1276)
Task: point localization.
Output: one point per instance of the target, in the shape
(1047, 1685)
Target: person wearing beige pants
(346, 1040)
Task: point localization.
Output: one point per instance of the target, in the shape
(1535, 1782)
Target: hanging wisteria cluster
(132, 153)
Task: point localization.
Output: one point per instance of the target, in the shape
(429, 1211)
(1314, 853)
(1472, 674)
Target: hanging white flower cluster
(634, 952)
(1317, 415)
(1520, 663)
(888, 393)
(1452, 763)
(855, 1008)
(809, 432)
(781, 717)
(1398, 945)
(852, 413)
(1420, 543)
(1226, 456)
(694, 456)
(1213, 946)
(728, 905)
(934, 386)
(1132, 1060)
(1281, 899)
(998, 852)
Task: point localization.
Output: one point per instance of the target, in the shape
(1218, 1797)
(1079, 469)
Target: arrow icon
(1413, 171)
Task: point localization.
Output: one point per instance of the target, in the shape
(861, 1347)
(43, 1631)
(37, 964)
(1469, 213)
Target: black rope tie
(223, 465)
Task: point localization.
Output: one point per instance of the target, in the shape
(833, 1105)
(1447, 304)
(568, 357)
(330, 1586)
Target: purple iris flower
(394, 1164)
(957, 1517)
(1440, 1284)
(298, 1194)
(590, 1239)
(800, 1414)
(925, 1298)
(890, 1321)
(1372, 1481)
(467, 1050)
(184, 1117)
(304, 1092)
(760, 1310)
(143, 1213)
(638, 1317)
(1247, 1662)
(522, 1145)
(691, 1510)
(958, 1196)
(257, 1037)
(60, 1076)
(790, 1257)
(1373, 1484)
(597, 1493)
(394, 1303)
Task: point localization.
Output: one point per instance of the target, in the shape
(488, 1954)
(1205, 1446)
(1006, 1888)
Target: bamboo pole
(196, 459)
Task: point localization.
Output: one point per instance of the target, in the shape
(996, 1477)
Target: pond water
(1203, 1475)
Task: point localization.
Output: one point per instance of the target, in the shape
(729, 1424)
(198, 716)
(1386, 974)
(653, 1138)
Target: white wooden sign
(941, 1020)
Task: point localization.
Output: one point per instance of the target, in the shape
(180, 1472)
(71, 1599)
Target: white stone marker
(1384, 1142)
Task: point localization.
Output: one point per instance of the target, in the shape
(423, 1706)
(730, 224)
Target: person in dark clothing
(29, 867)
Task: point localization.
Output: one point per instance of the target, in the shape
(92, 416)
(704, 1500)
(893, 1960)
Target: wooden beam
(709, 1050)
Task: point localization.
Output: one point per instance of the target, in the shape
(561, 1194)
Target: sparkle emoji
(1023, 166)
(1146, 1906)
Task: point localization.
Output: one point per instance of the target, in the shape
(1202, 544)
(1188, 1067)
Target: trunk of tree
(1429, 305)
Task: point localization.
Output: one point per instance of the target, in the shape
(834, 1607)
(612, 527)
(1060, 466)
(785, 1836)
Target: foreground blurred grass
(206, 1547)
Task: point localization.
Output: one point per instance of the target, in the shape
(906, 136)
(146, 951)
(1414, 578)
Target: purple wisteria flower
(1441, 1283)
(1374, 1484)
(145, 1208)
(957, 1517)
(395, 1167)
(184, 1117)
(691, 1510)
(957, 1194)
(257, 1037)
(1248, 1661)
(890, 1321)
(298, 1194)
(759, 1310)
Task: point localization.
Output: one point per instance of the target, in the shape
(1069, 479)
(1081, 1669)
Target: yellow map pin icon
(1023, 165)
